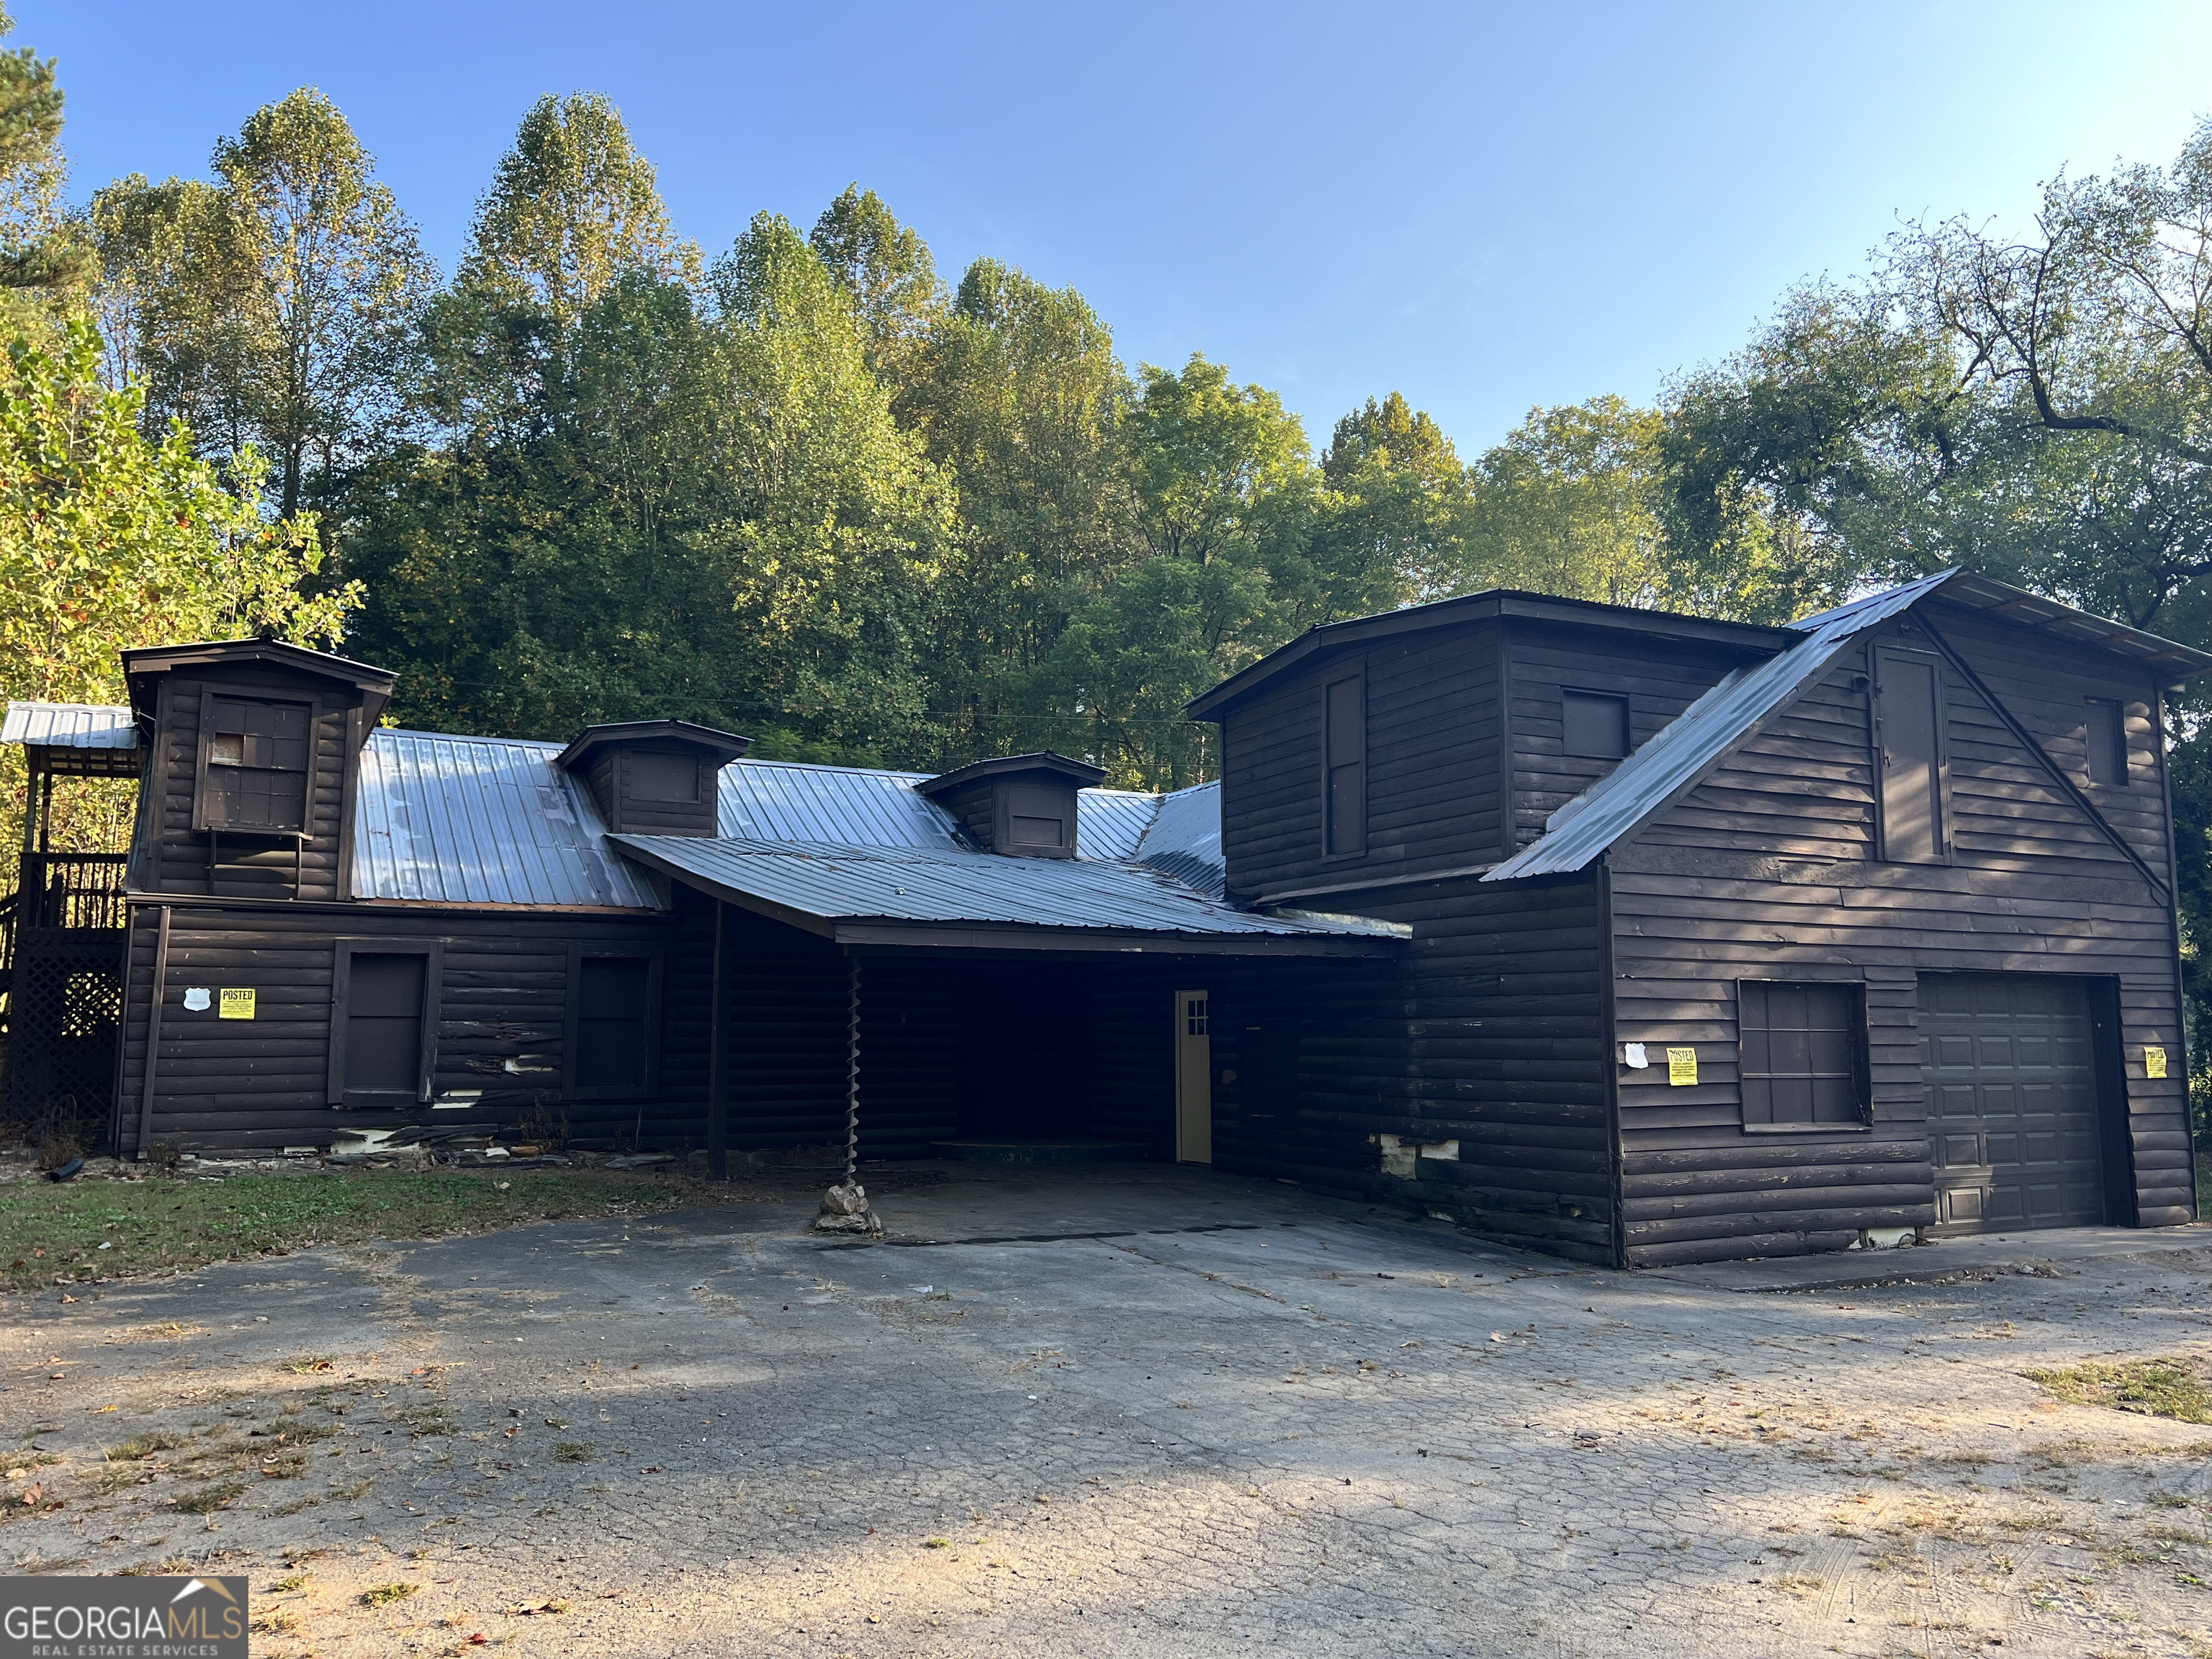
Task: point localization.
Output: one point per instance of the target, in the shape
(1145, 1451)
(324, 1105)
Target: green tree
(1393, 525)
(267, 309)
(572, 208)
(110, 540)
(1225, 496)
(886, 269)
(37, 249)
(1568, 504)
(1018, 395)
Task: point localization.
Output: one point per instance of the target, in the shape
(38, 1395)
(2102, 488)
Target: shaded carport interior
(943, 995)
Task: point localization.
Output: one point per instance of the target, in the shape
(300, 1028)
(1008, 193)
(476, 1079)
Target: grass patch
(143, 1445)
(2176, 1387)
(575, 1451)
(155, 1226)
(208, 1499)
(383, 1596)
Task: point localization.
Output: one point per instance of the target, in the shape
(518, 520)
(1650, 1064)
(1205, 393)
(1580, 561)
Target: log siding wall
(1767, 871)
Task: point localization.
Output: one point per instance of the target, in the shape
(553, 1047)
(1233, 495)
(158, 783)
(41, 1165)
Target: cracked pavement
(1126, 1410)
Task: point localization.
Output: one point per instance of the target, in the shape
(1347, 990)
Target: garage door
(2008, 1066)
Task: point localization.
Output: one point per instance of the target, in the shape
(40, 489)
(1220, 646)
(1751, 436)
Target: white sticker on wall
(197, 999)
(1634, 1055)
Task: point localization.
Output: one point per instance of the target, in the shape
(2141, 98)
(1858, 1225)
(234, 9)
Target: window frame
(210, 693)
(342, 951)
(572, 1021)
(1881, 653)
(2116, 710)
(1619, 699)
(1862, 1073)
(1330, 764)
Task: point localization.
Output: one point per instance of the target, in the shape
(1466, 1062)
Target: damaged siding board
(1770, 870)
(499, 1001)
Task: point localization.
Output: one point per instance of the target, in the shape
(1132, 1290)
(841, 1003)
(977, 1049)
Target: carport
(915, 1003)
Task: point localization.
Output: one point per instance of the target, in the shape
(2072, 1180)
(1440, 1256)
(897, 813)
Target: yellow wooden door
(1194, 1079)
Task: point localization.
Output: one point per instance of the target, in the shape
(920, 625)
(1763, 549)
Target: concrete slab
(1112, 1414)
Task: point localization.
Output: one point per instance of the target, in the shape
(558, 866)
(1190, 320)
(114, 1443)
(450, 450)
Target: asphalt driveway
(1126, 1410)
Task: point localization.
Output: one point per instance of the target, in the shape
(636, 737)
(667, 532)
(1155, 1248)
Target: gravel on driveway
(1125, 1411)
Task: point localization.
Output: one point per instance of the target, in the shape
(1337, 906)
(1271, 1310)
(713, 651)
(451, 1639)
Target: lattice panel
(65, 1012)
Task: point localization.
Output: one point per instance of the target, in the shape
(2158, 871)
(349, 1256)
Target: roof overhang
(143, 667)
(1988, 597)
(1043, 763)
(727, 744)
(1330, 639)
(682, 861)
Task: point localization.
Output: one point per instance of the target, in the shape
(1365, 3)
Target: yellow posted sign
(235, 1005)
(1681, 1066)
(2154, 1062)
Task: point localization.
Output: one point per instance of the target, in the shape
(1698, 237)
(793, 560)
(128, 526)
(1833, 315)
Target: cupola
(1022, 805)
(653, 777)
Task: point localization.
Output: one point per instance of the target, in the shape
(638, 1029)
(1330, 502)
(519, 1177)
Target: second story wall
(252, 760)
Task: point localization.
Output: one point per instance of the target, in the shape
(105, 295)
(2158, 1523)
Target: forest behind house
(811, 487)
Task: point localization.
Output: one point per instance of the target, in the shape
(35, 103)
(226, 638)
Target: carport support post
(718, 1063)
(853, 1078)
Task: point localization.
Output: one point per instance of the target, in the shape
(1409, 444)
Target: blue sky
(1488, 208)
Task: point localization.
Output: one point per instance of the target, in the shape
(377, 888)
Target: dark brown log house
(1639, 938)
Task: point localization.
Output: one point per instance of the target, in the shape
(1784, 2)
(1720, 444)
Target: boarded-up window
(664, 778)
(1908, 756)
(384, 1014)
(613, 1028)
(257, 765)
(1594, 725)
(1346, 736)
(1803, 1058)
(2108, 742)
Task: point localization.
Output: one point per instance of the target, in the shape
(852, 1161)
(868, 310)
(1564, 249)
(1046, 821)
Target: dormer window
(253, 775)
(1020, 806)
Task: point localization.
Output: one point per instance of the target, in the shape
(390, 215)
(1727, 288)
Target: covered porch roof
(958, 899)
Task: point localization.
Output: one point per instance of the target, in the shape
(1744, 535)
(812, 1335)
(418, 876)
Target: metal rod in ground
(853, 1077)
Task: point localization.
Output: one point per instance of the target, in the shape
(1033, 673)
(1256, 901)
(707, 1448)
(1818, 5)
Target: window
(1908, 705)
(384, 1021)
(2108, 742)
(256, 772)
(1194, 1013)
(1801, 1055)
(670, 778)
(613, 1046)
(1345, 737)
(1594, 725)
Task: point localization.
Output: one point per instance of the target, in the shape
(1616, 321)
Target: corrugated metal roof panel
(1672, 762)
(860, 806)
(1109, 823)
(69, 725)
(852, 884)
(1185, 839)
(850, 806)
(459, 820)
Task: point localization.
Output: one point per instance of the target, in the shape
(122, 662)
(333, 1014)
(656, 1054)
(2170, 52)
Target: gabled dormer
(653, 777)
(1023, 805)
(253, 752)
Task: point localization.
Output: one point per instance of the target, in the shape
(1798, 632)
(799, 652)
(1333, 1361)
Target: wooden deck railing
(68, 889)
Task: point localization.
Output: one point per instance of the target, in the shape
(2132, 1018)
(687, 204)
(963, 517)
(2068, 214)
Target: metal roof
(1111, 823)
(461, 820)
(1672, 763)
(835, 883)
(1185, 839)
(69, 725)
(861, 807)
